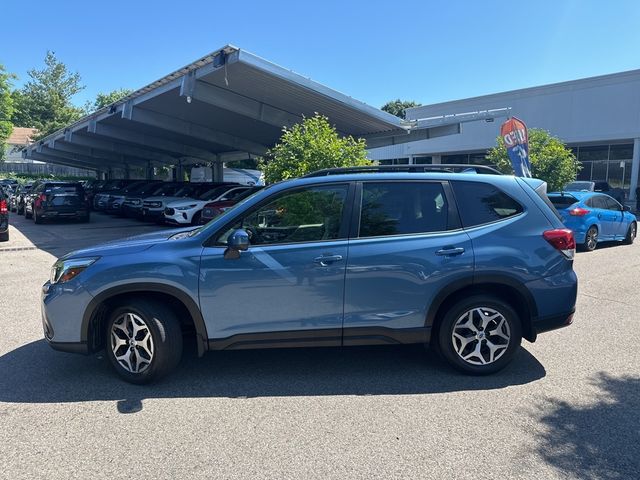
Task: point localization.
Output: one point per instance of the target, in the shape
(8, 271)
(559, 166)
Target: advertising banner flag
(516, 139)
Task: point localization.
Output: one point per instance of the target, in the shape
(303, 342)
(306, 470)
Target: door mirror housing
(626, 208)
(237, 242)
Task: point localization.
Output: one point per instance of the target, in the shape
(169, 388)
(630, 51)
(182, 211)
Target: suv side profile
(467, 263)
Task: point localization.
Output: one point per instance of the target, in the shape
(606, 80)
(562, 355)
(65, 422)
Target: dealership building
(598, 117)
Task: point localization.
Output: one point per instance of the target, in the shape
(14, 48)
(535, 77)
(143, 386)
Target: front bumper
(152, 215)
(132, 211)
(179, 217)
(63, 307)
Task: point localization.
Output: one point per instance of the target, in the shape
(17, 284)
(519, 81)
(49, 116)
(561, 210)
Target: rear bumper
(63, 213)
(553, 323)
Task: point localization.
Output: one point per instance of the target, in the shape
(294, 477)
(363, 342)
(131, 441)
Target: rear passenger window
(480, 203)
(402, 208)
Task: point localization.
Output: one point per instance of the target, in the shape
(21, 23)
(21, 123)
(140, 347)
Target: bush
(313, 144)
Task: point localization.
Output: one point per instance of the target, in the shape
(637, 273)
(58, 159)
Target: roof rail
(444, 167)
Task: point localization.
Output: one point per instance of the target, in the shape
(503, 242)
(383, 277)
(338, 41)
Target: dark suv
(49, 200)
(470, 263)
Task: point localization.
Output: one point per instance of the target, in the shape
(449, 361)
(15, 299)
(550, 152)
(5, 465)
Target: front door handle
(326, 260)
(450, 251)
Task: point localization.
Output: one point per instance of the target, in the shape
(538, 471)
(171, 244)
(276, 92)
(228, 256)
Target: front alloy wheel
(144, 340)
(631, 233)
(131, 343)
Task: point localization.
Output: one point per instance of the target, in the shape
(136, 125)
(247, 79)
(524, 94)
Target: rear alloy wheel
(632, 232)
(480, 335)
(144, 341)
(591, 239)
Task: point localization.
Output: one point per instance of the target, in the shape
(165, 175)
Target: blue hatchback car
(595, 217)
(468, 263)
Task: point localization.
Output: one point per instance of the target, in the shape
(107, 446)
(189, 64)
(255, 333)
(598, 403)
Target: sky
(428, 51)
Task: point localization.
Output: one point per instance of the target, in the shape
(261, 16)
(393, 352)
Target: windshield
(213, 193)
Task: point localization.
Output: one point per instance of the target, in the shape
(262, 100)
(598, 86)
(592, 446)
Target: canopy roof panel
(227, 105)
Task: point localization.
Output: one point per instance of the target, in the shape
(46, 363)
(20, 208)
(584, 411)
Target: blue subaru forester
(470, 263)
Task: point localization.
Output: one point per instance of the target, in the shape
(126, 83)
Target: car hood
(165, 199)
(183, 202)
(128, 245)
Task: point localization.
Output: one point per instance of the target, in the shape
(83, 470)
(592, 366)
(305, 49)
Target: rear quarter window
(480, 203)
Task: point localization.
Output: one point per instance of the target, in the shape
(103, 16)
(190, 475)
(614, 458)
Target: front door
(407, 247)
(615, 217)
(288, 287)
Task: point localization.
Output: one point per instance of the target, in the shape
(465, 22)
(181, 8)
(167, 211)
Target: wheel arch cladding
(95, 316)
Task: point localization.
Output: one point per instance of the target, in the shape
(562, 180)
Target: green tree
(551, 160)
(397, 107)
(311, 145)
(45, 101)
(105, 99)
(6, 109)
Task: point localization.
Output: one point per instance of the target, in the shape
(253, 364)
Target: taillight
(579, 212)
(43, 197)
(562, 239)
(3, 207)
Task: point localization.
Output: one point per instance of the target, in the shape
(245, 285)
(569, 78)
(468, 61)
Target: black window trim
(524, 208)
(454, 223)
(343, 232)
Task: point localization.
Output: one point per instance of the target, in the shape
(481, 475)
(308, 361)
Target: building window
(621, 152)
(423, 160)
(394, 161)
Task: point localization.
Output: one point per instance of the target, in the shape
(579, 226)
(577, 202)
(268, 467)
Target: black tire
(590, 239)
(166, 335)
(85, 218)
(4, 237)
(487, 305)
(27, 215)
(631, 233)
(196, 218)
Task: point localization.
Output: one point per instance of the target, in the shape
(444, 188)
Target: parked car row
(43, 200)
(179, 203)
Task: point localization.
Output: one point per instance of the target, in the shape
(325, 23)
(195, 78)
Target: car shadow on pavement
(34, 373)
(598, 440)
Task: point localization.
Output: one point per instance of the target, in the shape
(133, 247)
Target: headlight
(65, 270)
(186, 207)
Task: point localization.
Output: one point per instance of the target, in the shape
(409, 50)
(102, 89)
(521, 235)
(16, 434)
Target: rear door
(406, 245)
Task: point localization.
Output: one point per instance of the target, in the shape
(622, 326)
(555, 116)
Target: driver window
(305, 215)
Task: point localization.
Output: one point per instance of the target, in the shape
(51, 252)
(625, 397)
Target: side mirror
(626, 208)
(237, 242)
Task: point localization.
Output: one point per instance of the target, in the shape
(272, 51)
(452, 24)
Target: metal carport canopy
(225, 106)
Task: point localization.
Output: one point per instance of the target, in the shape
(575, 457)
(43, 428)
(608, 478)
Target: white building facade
(598, 117)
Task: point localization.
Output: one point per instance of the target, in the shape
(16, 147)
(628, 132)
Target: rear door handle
(326, 260)
(450, 251)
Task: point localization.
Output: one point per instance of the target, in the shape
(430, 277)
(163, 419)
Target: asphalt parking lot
(566, 408)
